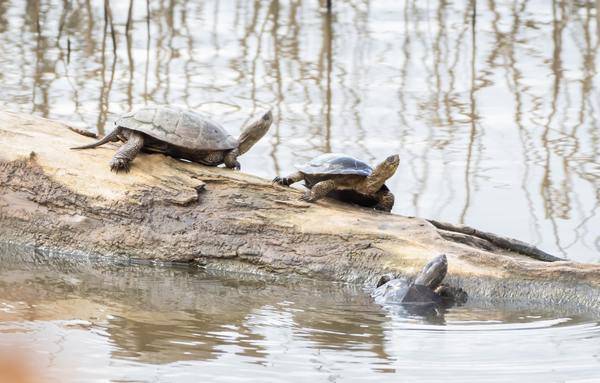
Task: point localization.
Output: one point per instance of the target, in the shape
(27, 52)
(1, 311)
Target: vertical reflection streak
(556, 66)
(588, 70)
(280, 98)
(106, 86)
(129, 42)
(328, 47)
(452, 102)
(423, 176)
(38, 55)
(256, 58)
(519, 91)
(147, 68)
(473, 114)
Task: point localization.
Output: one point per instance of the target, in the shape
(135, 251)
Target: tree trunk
(169, 210)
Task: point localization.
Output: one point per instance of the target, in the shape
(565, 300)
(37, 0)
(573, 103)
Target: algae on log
(171, 210)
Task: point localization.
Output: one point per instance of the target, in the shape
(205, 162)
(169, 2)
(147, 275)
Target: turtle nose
(393, 159)
(268, 116)
(442, 259)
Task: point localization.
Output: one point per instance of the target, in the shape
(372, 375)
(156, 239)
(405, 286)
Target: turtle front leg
(385, 200)
(127, 152)
(287, 181)
(452, 295)
(320, 190)
(231, 161)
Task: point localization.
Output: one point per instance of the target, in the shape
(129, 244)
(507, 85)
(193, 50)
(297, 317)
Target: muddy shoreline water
(167, 210)
(149, 323)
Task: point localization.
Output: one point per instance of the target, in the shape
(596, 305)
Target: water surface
(493, 105)
(85, 320)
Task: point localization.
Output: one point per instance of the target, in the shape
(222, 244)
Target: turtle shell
(335, 164)
(400, 291)
(178, 127)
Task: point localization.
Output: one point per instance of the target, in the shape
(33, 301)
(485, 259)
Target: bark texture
(170, 210)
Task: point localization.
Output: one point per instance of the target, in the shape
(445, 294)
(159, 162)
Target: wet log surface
(171, 210)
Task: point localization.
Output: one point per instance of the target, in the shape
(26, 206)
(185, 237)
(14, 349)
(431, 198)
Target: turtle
(425, 289)
(179, 133)
(345, 178)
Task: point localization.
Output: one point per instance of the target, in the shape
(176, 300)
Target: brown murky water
(81, 321)
(493, 106)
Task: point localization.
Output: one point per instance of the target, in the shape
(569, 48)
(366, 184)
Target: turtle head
(254, 132)
(433, 273)
(382, 172)
(384, 279)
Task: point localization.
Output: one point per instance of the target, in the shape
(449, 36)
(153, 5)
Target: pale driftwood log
(170, 210)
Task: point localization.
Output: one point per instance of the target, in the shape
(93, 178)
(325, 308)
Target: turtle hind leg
(287, 181)
(231, 161)
(319, 190)
(385, 200)
(127, 152)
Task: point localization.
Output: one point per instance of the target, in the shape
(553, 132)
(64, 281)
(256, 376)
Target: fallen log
(171, 210)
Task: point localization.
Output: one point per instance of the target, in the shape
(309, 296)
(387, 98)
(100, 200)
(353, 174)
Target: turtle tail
(109, 137)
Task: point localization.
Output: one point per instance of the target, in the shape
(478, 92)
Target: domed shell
(335, 164)
(400, 291)
(178, 127)
(392, 291)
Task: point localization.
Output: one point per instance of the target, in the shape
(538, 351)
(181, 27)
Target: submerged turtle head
(254, 132)
(382, 172)
(433, 273)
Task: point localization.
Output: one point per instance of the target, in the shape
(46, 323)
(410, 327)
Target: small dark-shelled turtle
(347, 179)
(426, 289)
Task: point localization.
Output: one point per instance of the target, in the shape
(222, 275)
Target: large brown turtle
(182, 134)
(347, 179)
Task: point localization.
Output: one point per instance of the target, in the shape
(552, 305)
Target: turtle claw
(280, 181)
(233, 165)
(118, 165)
(306, 197)
(379, 207)
(118, 170)
(283, 181)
